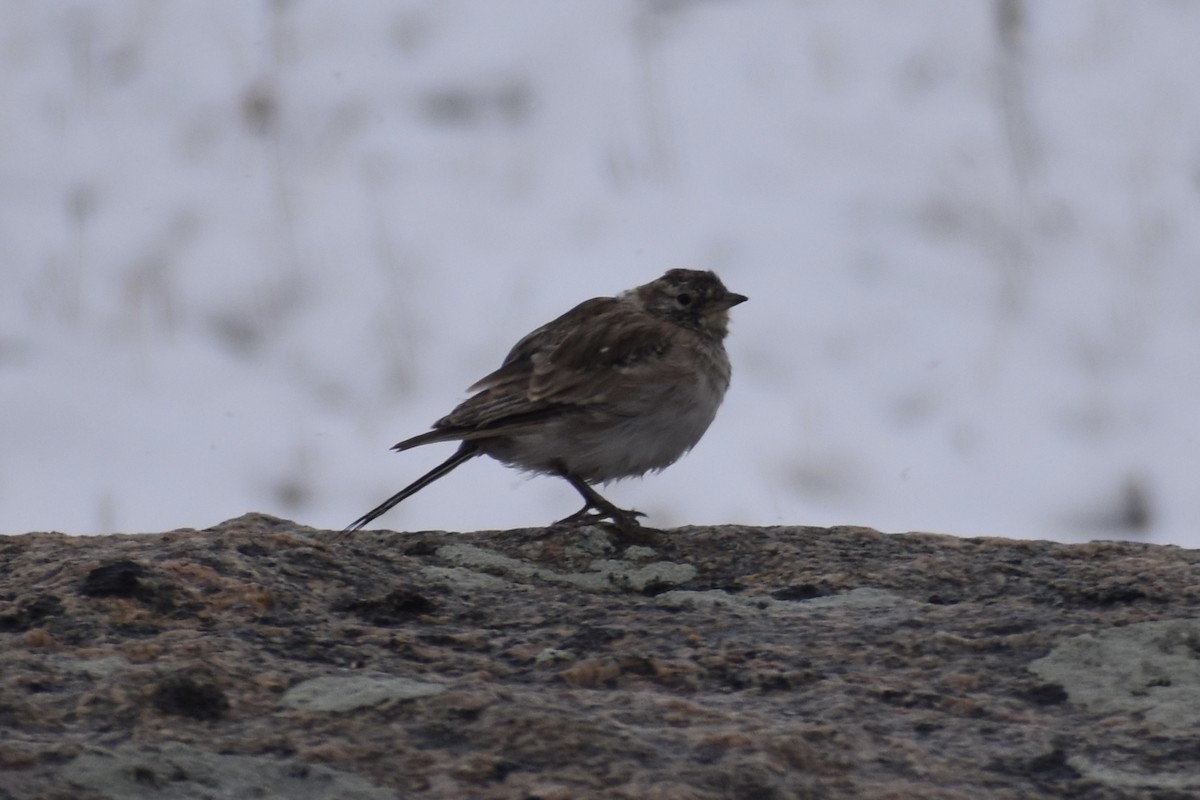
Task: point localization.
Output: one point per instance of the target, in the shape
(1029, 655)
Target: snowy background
(246, 247)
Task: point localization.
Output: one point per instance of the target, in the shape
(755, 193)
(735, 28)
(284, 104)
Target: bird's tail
(465, 452)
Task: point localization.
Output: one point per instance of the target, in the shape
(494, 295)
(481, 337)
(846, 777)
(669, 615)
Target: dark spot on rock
(1045, 694)
(465, 714)
(710, 752)
(252, 549)
(190, 696)
(752, 782)
(654, 588)
(730, 677)
(30, 614)
(115, 579)
(130, 579)
(1112, 595)
(1052, 765)
(422, 547)
(1049, 766)
(589, 638)
(393, 608)
(147, 777)
(636, 665)
(775, 683)
(908, 699)
(1008, 628)
(503, 768)
(438, 735)
(801, 591)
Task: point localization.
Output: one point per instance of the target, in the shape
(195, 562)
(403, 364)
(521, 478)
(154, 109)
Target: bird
(614, 388)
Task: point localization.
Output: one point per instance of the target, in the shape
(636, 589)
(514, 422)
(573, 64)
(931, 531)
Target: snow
(247, 247)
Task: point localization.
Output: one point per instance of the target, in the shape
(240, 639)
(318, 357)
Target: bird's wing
(518, 364)
(578, 360)
(595, 360)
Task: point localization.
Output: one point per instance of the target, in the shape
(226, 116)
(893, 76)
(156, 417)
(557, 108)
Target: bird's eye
(684, 299)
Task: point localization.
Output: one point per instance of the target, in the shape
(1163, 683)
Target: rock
(262, 658)
(132, 772)
(1150, 668)
(346, 693)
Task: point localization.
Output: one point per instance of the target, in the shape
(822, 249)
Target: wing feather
(578, 360)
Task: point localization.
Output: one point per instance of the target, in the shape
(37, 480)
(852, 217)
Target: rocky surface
(260, 658)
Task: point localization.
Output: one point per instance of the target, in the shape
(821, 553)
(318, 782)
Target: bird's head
(692, 298)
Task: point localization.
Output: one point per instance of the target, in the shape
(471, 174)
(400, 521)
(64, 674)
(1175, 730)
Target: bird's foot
(625, 521)
(620, 517)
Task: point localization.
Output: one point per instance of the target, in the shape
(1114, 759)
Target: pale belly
(600, 445)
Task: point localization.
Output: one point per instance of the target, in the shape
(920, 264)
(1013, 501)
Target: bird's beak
(732, 299)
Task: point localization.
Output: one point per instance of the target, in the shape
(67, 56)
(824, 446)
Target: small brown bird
(615, 387)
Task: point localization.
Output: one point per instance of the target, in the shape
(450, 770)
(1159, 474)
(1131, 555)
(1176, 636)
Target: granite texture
(260, 658)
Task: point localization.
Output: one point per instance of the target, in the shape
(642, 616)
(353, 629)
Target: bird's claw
(624, 520)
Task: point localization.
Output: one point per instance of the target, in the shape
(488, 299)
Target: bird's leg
(626, 521)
